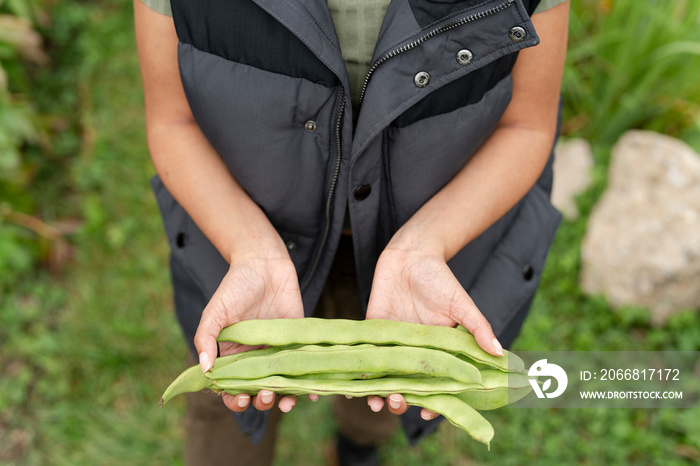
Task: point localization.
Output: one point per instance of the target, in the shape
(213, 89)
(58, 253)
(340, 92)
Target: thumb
(205, 339)
(473, 320)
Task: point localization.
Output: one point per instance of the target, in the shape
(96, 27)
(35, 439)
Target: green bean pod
(222, 361)
(322, 386)
(191, 380)
(342, 359)
(458, 413)
(345, 375)
(499, 389)
(278, 332)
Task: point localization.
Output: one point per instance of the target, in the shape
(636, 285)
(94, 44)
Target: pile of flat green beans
(438, 368)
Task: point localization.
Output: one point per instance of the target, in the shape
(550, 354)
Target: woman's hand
(417, 286)
(257, 286)
(414, 284)
(261, 282)
(412, 281)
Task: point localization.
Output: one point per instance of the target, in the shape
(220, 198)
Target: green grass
(86, 352)
(633, 65)
(89, 352)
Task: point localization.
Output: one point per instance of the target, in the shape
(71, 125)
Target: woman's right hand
(261, 282)
(257, 286)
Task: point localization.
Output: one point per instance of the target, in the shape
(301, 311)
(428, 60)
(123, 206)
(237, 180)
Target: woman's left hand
(412, 281)
(414, 284)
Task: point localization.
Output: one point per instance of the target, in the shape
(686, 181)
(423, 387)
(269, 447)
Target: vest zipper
(329, 199)
(432, 33)
(336, 170)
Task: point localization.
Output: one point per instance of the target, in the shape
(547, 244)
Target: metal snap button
(421, 79)
(310, 126)
(464, 57)
(528, 272)
(517, 34)
(291, 245)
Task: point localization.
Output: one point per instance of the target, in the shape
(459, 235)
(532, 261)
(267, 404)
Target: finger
(428, 415)
(228, 347)
(236, 403)
(397, 404)
(264, 400)
(286, 403)
(473, 320)
(375, 403)
(205, 339)
(313, 397)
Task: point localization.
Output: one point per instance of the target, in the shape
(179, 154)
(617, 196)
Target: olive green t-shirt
(357, 24)
(163, 6)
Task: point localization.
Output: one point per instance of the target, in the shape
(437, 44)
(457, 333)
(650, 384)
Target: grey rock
(642, 246)
(572, 174)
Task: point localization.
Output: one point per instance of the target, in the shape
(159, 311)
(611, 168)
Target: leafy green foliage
(16, 258)
(19, 44)
(84, 355)
(632, 65)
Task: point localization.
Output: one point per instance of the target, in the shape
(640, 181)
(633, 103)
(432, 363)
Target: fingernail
(285, 407)
(426, 416)
(498, 349)
(313, 397)
(243, 400)
(266, 396)
(394, 401)
(204, 361)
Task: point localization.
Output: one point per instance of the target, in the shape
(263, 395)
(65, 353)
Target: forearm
(510, 162)
(493, 181)
(185, 160)
(199, 180)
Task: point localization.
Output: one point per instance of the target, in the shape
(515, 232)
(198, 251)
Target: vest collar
(311, 22)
